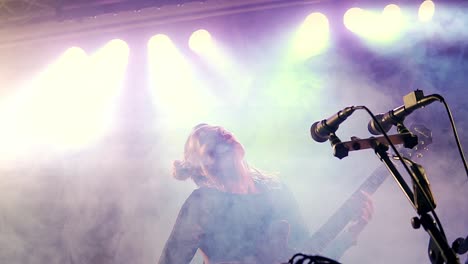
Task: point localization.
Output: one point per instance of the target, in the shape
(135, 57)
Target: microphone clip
(340, 150)
(410, 140)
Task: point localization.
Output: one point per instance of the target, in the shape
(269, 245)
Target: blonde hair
(191, 165)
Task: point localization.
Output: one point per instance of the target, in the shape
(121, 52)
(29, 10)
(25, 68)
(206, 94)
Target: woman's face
(216, 142)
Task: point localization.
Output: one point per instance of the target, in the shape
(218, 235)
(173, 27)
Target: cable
(457, 139)
(397, 153)
(300, 258)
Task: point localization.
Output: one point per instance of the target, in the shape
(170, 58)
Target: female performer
(237, 214)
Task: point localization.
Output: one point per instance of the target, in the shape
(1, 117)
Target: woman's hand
(364, 214)
(348, 237)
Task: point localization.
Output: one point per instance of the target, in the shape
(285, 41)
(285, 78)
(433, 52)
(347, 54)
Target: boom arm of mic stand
(408, 139)
(341, 149)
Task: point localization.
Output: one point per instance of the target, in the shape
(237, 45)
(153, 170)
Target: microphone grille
(315, 135)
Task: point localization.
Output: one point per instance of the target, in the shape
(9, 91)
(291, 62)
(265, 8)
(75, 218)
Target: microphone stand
(425, 220)
(439, 250)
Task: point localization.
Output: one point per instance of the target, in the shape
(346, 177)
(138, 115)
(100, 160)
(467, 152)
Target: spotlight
(354, 19)
(426, 11)
(392, 11)
(74, 53)
(160, 44)
(110, 59)
(116, 45)
(212, 53)
(391, 22)
(312, 37)
(377, 27)
(200, 41)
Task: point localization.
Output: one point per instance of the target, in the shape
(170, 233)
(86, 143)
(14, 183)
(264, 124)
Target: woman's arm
(348, 237)
(184, 239)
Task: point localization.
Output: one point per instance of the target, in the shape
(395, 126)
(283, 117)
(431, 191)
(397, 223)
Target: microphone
(412, 101)
(321, 130)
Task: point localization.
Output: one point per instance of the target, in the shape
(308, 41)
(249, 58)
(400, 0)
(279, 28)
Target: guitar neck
(338, 221)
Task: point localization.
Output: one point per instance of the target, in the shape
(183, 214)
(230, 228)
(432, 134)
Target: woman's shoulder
(269, 184)
(203, 193)
(199, 201)
(206, 196)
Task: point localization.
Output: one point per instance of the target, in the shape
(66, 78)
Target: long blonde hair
(192, 166)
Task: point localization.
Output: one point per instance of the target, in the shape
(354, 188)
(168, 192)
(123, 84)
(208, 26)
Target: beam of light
(426, 11)
(82, 110)
(212, 53)
(94, 104)
(230, 81)
(31, 113)
(312, 37)
(177, 93)
(384, 27)
(67, 105)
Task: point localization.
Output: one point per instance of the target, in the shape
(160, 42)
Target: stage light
(200, 41)
(375, 27)
(164, 57)
(391, 23)
(203, 44)
(312, 37)
(161, 45)
(73, 55)
(115, 51)
(112, 58)
(354, 19)
(166, 62)
(426, 11)
(392, 11)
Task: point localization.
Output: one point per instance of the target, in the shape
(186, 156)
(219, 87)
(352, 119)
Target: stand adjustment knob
(415, 222)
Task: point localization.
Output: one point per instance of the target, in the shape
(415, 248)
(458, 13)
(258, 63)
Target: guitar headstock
(424, 135)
